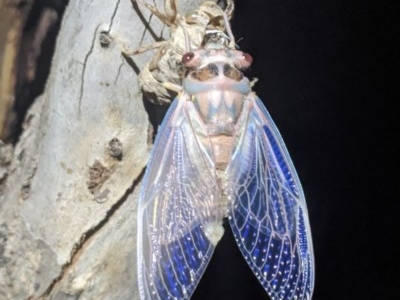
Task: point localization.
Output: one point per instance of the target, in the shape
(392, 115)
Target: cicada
(219, 156)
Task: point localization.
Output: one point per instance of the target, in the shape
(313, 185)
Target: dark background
(326, 73)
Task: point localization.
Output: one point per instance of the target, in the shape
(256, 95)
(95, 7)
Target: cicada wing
(269, 216)
(177, 202)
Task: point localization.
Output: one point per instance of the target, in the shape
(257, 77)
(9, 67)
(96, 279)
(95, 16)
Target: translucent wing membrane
(177, 200)
(269, 216)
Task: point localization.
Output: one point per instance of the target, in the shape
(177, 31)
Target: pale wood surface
(67, 213)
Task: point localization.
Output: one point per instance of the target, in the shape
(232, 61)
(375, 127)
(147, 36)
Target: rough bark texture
(67, 213)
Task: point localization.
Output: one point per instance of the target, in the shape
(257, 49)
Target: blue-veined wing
(269, 215)
(177, 203)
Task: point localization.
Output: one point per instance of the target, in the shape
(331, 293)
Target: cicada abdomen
(219, 155)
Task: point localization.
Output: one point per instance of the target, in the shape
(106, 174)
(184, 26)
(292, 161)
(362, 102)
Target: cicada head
(209, 57)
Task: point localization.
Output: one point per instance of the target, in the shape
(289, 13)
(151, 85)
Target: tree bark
(68, 209)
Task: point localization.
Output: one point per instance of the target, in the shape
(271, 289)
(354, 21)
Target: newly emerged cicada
(219, 155)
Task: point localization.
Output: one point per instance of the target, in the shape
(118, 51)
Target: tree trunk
(68, 209)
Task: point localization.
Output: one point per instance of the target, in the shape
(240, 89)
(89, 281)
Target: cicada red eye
(187, 57)
(242, 60)
(248, 58)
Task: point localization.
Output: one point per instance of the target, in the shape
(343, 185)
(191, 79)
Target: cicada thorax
(218, 89)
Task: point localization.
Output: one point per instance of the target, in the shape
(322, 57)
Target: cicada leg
(172, 87)
(170, 9)
(145, 48)
(230, 7)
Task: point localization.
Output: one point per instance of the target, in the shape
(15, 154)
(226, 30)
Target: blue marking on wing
(178, 271)
(269, 215)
